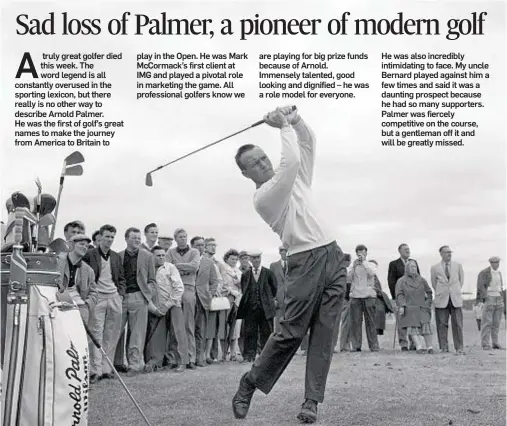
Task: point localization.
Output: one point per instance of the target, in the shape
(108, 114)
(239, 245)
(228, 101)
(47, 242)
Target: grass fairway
(386, 388)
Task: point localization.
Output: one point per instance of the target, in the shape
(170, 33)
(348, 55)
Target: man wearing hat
(257, 306)
(244, 261)
(489, 292)
(279, 269)
(78, 277)
(165, 242)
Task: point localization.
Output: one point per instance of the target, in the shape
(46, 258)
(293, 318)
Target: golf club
(37, 202)
(47, 204)
(75, 158)
(149, 180)
(58, 246)
(19, 200)
(99, 347)
(47, 220)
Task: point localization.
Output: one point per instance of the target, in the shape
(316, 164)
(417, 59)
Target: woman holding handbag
(232, 282)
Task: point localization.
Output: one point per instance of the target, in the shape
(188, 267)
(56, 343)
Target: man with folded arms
(167, 317)
(316, 275)
(187, 261)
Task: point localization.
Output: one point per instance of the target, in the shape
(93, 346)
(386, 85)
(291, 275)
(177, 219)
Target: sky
(366, 193)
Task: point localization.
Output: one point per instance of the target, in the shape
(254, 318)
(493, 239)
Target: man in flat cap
(316, 274)
(279, 269)
(78, 277)
(166, 242)
(257, 306)
(489, 292)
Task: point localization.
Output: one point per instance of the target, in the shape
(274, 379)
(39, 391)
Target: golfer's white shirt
(285, 202)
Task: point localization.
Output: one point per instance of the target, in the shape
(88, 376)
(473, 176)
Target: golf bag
(45, 360)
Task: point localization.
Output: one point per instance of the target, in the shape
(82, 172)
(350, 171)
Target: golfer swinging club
(316, 276)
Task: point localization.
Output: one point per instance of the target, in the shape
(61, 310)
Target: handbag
(220, 304)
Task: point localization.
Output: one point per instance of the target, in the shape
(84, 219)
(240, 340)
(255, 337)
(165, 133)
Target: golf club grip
(262, 121)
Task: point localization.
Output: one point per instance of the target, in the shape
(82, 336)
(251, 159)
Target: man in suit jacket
(105, 318)
(395, 272)
(139, 268)
(279, 269)
(257, 307)
(447, 279)
(490, 293)
(206, 286)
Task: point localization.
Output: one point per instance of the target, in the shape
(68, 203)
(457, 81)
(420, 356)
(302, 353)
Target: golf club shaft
(99, 347)
(209, 145)
(60, 189)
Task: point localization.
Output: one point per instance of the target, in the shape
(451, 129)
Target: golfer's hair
(157, 247)
(241, 150)
(109, 228)
(149, 226)
(361, 247)
(95, 234)
(402, 245)
(229, 253)
(179, 231)
(441, 249)
(74, 224)
(131, 229)
(196, 238)
(208, 240)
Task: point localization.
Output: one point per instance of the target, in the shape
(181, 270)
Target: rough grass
(386, 388)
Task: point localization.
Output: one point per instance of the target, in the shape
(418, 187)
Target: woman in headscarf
(414, 296)
(232, 282)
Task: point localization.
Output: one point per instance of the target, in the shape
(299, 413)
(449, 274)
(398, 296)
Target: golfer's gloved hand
(276, 119)
(402, 310)
(291, 116)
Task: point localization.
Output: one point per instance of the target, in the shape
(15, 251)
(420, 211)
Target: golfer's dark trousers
(315, 285)
(256, 332)
(442, 323)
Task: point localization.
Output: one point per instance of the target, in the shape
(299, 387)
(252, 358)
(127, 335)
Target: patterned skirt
(424, 330)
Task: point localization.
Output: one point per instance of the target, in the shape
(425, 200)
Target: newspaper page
(297, 208)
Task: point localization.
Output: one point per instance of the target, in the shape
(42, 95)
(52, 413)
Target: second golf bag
(45, 360)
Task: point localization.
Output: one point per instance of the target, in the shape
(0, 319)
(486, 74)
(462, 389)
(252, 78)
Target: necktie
(255, 271)
(447, 274)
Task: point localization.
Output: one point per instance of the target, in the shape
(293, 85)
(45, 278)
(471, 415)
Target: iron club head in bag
(73, 160)
(149, 180)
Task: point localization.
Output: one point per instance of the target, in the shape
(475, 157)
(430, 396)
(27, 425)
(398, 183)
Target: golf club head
(149, 180)
(58, 246)
(47, 220)
(20, 200)
(47, 204)
(75, 158)
(74, 171)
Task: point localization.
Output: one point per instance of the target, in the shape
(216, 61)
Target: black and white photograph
(253, 213)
